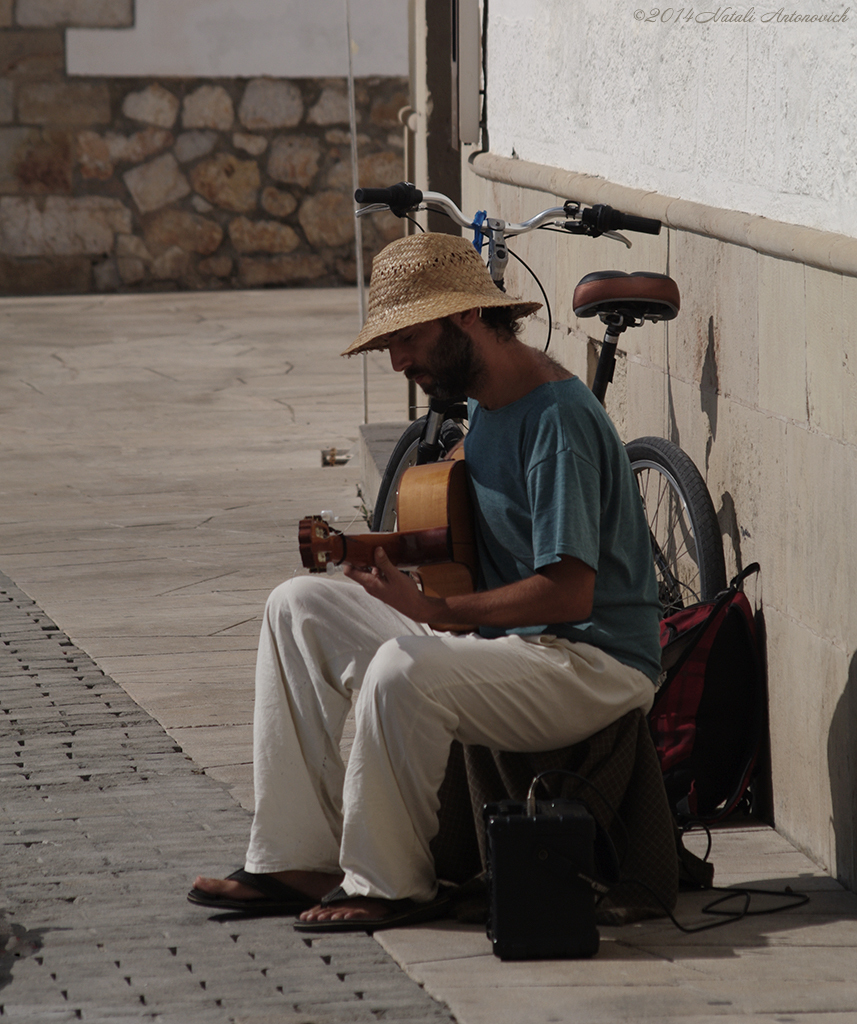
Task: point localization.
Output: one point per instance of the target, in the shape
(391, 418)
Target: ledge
(823, 249)
(74, 14)
(377, 441)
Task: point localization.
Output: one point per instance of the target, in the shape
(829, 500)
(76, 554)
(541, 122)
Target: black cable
(582, 778)
(689, 826)
(544, 295)
(796, 899)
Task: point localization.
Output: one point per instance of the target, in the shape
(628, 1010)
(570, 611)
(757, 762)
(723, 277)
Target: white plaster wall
(246, 38)
(773, 430)
(753, 116)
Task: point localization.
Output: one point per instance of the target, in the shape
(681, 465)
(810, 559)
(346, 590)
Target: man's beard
(452, 365)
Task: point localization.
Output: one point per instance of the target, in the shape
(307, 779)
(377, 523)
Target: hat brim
(376, 331)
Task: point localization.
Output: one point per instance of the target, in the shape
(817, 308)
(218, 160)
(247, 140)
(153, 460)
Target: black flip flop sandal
(401, 913)
(276, 898)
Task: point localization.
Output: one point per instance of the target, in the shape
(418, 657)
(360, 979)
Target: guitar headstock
(316, 542)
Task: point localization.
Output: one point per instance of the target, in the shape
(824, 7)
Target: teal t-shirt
(550, 477)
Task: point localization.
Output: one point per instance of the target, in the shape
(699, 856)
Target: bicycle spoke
(674, 548)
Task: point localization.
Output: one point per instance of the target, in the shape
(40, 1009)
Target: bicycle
(686, 542)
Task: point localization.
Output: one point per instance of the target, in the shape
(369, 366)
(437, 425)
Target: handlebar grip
(373, 195)
(401, 197)
(605, 218)
(646, 225)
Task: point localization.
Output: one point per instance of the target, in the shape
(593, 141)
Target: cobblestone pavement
(102, 819)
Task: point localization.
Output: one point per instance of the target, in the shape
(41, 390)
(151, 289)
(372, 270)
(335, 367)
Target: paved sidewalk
(102, 813)
(156, 453)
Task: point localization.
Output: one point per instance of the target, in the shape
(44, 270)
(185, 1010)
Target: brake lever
(397, 211)
(576, 227)
(364, 211)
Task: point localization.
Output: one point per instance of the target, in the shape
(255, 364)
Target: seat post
(622, 300)
(607, 358)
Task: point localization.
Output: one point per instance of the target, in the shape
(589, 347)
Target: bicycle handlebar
(571, 217)
(594, 221)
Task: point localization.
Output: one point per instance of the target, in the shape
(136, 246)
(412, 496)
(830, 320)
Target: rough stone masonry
(114, 184)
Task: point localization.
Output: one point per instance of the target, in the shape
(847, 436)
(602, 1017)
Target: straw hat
(425, 277)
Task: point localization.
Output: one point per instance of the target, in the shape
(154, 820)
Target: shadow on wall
(762, 804)
(842, 770)
(709, 389)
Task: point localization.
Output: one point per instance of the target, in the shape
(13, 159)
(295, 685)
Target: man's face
(439, 356)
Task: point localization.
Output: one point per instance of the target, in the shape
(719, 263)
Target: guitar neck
(434, 513)
(406, 549)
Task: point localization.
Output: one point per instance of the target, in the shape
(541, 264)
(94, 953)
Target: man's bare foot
(370, 914)
(356, 909)
(314, 884)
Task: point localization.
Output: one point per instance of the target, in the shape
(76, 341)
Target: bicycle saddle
(643, 295)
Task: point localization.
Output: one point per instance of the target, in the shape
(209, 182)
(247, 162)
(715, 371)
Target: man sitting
(566, 615)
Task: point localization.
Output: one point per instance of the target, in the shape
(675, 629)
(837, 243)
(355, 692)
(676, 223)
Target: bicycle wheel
(384, 515)
(686, 541)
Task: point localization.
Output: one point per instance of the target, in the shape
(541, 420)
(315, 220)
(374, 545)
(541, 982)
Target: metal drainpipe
(355, 183)
(408, 121)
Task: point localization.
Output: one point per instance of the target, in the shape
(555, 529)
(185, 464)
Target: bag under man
(709, 717)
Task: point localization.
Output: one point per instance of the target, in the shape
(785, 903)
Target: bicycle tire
(403, 456)
(687, 545)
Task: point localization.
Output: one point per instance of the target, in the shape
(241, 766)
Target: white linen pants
(321, 639)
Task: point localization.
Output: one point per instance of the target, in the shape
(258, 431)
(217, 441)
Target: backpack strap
(717, 606)
(693, 872)
(736, 581)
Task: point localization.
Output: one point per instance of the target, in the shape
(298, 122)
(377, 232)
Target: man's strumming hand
(384, 581)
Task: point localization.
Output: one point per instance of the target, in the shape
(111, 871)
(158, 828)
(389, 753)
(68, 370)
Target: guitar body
(435, 533)
(433, 494)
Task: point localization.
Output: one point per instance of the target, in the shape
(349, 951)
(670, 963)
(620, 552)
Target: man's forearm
(561, 592)
(543, 598)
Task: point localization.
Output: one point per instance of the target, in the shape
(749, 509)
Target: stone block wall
(116, 184)
(756, 380)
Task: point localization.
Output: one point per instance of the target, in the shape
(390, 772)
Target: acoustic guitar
(435, 534)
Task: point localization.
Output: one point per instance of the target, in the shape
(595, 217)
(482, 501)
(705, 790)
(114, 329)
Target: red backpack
(710, 712)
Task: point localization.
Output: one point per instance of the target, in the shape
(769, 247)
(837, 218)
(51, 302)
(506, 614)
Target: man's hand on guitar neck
(395, 588)
(562, 592)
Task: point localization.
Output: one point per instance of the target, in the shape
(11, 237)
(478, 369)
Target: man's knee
(389, 679)
(399, 678)
(296, 596)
